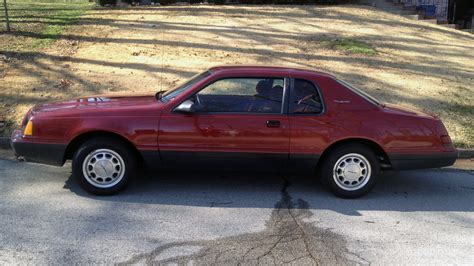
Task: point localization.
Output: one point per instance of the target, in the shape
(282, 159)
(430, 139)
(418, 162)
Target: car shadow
(410, 191)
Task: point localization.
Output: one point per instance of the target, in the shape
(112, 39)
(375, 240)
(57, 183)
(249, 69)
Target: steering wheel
(305, 98)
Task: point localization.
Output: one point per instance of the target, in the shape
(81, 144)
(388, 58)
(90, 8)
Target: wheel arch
(80, 139)
(374, 146)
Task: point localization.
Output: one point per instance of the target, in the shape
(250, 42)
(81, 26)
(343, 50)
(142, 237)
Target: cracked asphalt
(415, 217)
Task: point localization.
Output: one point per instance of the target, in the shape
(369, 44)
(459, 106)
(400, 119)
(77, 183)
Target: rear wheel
(103, 166)
(350, 171)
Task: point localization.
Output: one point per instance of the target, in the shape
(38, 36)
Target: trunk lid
(392, 108)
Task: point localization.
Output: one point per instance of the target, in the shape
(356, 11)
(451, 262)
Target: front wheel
(103, 166)
(350, 171)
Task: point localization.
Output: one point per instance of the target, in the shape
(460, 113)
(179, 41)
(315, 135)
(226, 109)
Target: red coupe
(237, 117)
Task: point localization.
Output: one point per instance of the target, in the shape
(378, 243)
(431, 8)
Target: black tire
(329, 178)
(106, 144)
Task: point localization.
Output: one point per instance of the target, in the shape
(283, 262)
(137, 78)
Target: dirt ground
(149, 49)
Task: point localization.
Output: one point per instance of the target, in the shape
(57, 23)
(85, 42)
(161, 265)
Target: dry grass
(148, 49)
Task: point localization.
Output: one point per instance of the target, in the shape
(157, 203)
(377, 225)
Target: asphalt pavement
(413, 217)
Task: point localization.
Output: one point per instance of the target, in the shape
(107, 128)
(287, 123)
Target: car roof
(268, 69)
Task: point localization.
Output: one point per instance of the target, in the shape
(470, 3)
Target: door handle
(273, 123)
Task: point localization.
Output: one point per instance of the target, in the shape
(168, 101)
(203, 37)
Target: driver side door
(233, 123)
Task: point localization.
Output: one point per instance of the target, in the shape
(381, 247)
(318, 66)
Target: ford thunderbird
(236, 117)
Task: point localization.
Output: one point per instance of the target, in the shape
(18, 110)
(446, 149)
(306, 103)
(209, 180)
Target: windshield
(361, 93)
(171, 94)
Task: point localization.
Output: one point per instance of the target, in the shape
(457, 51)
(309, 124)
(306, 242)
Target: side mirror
(185, 107)
(159, 94)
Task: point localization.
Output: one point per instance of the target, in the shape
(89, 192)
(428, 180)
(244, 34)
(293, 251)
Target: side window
(242, 95)
(305, 98)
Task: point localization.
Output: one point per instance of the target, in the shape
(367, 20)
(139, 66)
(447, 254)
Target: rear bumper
(52, 154)
(422, 161)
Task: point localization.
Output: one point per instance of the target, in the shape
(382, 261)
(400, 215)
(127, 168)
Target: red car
(237, 117)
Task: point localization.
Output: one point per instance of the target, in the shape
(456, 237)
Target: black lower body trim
(235, 161)
(52, 154)
(422, 161)
(223, 160)
(151, 159)
(302, 163)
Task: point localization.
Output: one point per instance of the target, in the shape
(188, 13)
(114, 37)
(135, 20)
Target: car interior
(265, 97)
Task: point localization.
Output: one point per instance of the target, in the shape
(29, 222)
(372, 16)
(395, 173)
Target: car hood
(100, 102)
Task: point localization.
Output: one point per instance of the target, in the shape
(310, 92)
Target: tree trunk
(6, 15)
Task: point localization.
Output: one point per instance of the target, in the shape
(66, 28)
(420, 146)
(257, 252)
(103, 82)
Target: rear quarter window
(305, 98)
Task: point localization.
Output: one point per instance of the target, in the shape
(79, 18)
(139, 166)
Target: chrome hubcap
(103, 168)
(352, 171)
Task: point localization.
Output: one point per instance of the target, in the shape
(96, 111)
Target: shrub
(246, 2)
(166, 2)
(289, 2)
(107, 2)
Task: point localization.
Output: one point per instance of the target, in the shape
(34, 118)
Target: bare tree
(6, 15)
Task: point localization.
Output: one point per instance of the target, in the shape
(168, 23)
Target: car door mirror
(185, 107)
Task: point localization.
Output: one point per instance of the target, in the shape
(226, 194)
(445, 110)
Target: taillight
(446, 141)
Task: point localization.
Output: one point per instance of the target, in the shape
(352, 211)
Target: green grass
(37, 24)
(53, 31)
(351, 46)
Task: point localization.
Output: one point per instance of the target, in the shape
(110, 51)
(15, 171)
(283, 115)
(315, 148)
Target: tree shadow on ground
(288, 238)
(264, 36)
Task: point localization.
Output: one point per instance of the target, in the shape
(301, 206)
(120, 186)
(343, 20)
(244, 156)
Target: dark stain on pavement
(287, 239)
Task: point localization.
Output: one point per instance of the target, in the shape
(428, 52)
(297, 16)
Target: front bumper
(422, 161)
(45, 153)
